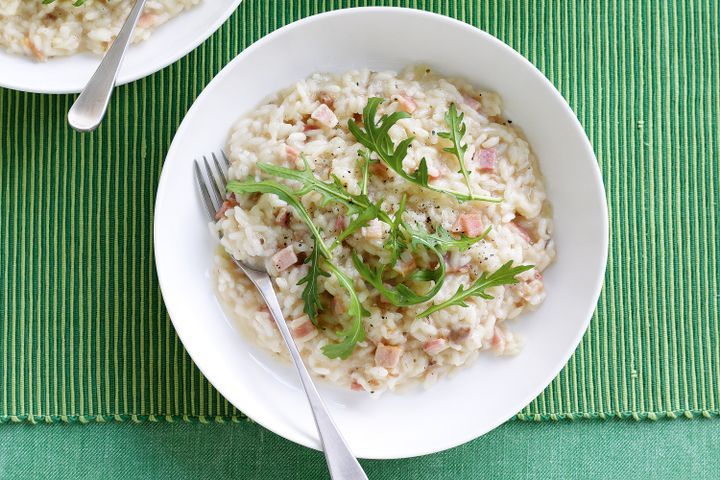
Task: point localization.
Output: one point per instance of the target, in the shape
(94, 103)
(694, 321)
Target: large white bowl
(477, 399)
(166, 45)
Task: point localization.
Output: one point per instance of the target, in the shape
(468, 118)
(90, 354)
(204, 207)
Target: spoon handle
(340, 460)
(89, 108)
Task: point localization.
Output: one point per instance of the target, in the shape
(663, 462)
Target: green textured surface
(84, 333)
(609, 450)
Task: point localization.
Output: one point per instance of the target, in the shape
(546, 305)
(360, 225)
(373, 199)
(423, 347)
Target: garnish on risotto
(401, 273)
(51, 28)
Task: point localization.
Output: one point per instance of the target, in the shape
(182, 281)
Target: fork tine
(220, 170)
(211, 209)
(212, 183)
(225, 158)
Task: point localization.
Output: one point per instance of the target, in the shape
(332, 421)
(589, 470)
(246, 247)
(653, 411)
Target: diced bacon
(407, 103)
(405, 266)
(283, 217)
(147, 20)
(522, 231)
(373, 230)
(326, 99)
(471, 102)
(324, 115)
(308, 127)
(498, 339)
(304, 329)
(387, 356)
(470, 223)
(291, 153)
(484, 159)
(356, 387)
(284, 259)
(340, 223)
(379, 169)
(226, 205)
(459, 335)
(434, 346)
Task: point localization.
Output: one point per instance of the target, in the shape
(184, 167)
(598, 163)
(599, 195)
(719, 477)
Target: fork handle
(340, 460)
(89, 108)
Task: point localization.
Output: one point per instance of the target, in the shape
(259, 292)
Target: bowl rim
(127, 77)
(579, 132)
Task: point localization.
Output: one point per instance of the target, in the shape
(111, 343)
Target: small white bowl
(167, 44)
(478, 398)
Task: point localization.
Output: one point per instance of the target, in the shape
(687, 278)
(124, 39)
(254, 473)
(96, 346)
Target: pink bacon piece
(484, 159)
(470, 224)
(324, 115)
(303, 330)
(387, 356)
(434, 346)
(356, 387)
(284, 259)
(407, 103)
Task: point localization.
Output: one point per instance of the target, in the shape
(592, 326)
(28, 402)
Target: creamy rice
(28, 27)
(521, 224)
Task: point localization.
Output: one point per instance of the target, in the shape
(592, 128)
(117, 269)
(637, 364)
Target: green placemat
(85, 335)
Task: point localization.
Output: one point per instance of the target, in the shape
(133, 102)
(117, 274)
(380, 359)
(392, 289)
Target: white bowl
(478, 398)
(166, 45)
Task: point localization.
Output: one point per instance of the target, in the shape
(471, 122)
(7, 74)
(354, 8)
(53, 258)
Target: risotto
(402, 244)
(29, 27)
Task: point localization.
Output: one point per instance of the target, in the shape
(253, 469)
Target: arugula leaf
(365, 171)
(76, 3)
(504, 275)
(444, 241)
(310, 183)
(310, 294)
(401, 295)
(457, 131)
(355, 332)
(395, 242)
(292, 199)
(373, 211)
(333, 191)
(376, 138)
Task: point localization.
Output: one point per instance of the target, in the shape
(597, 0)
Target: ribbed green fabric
(84, 334)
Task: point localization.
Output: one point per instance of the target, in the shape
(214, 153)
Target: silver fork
(340, 460)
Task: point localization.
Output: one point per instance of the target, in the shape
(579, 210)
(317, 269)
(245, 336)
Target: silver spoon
(89, 108)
